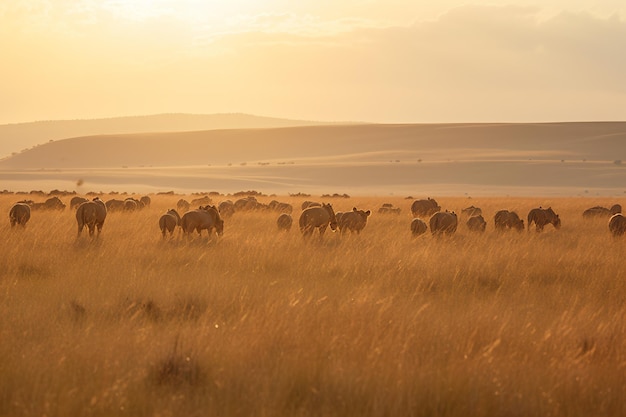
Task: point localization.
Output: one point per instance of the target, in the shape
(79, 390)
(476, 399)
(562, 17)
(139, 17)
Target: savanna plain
(259, 322)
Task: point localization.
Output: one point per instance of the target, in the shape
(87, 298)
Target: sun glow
(187, 10)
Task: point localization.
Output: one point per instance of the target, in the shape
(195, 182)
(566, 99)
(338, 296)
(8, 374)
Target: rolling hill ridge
(434, 159)
(18, 136)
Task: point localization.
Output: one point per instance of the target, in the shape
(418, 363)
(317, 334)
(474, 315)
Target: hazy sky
(367, 60)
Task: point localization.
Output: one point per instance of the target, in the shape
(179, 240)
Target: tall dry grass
(264, 323)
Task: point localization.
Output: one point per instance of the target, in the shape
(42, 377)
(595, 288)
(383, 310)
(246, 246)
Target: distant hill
(372, 143)
(20, 136)
(559, 158)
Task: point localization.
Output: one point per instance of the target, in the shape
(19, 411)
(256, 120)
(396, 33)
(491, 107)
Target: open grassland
(264, 323)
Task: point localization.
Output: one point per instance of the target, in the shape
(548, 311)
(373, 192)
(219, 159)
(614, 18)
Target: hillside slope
(372, 143)
(434, 159)
(19, 136)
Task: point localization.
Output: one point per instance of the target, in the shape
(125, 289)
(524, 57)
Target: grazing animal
(505, 219)
(246, 203)
(226, 208)
(472, 211)
(145, 201)
(77, 201)
(19, 214)
(283, 208)
(284, 222)
(443, 222)
(426, 207)
(617, 224)
(280, 207)
(596, 211)
(183, 205)
(599, 211)
(130, 205)
(53, 203)
(476, 223)
(388, 210)
(418, 227)
(306, 204)
(201, 200)
(542, 217)
(317, 217)
(114, 205)
(204, 218)
(169, 221)
(91, 214)
(353, 221)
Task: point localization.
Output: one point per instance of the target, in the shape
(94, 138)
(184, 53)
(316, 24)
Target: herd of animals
(314, 216)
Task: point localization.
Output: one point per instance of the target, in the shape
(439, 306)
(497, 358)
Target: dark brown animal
(53, 203)
(204, 218)
(353, 221)
(541, 217)
(183, 205)
(226, 208)
(280, 207)
(388, 208)
(19, 214)
(169, 221)
(145, 201)
(617, 225)
(130, 205)
(471, 211)
(201, 200)
(599, 211)
(418, 227)
(505, 219)
(284, 222)
(421, 208)
(246, 204)
(443, 222)
(306, 204)
(91, 214)
(317, 217)
(476, 223)
(114, 205)
(77, 201)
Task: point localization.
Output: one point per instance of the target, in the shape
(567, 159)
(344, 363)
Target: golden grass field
(262, 323)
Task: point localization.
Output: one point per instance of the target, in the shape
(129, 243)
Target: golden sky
(359, 60)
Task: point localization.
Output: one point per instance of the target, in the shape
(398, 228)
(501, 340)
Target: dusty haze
(16, 137)
(379, 61)
(436, 159)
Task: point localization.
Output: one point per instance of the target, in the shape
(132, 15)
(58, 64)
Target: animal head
(331, 213)
(361, 212)
(556, 221)
(219, 227)
(616, 208)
